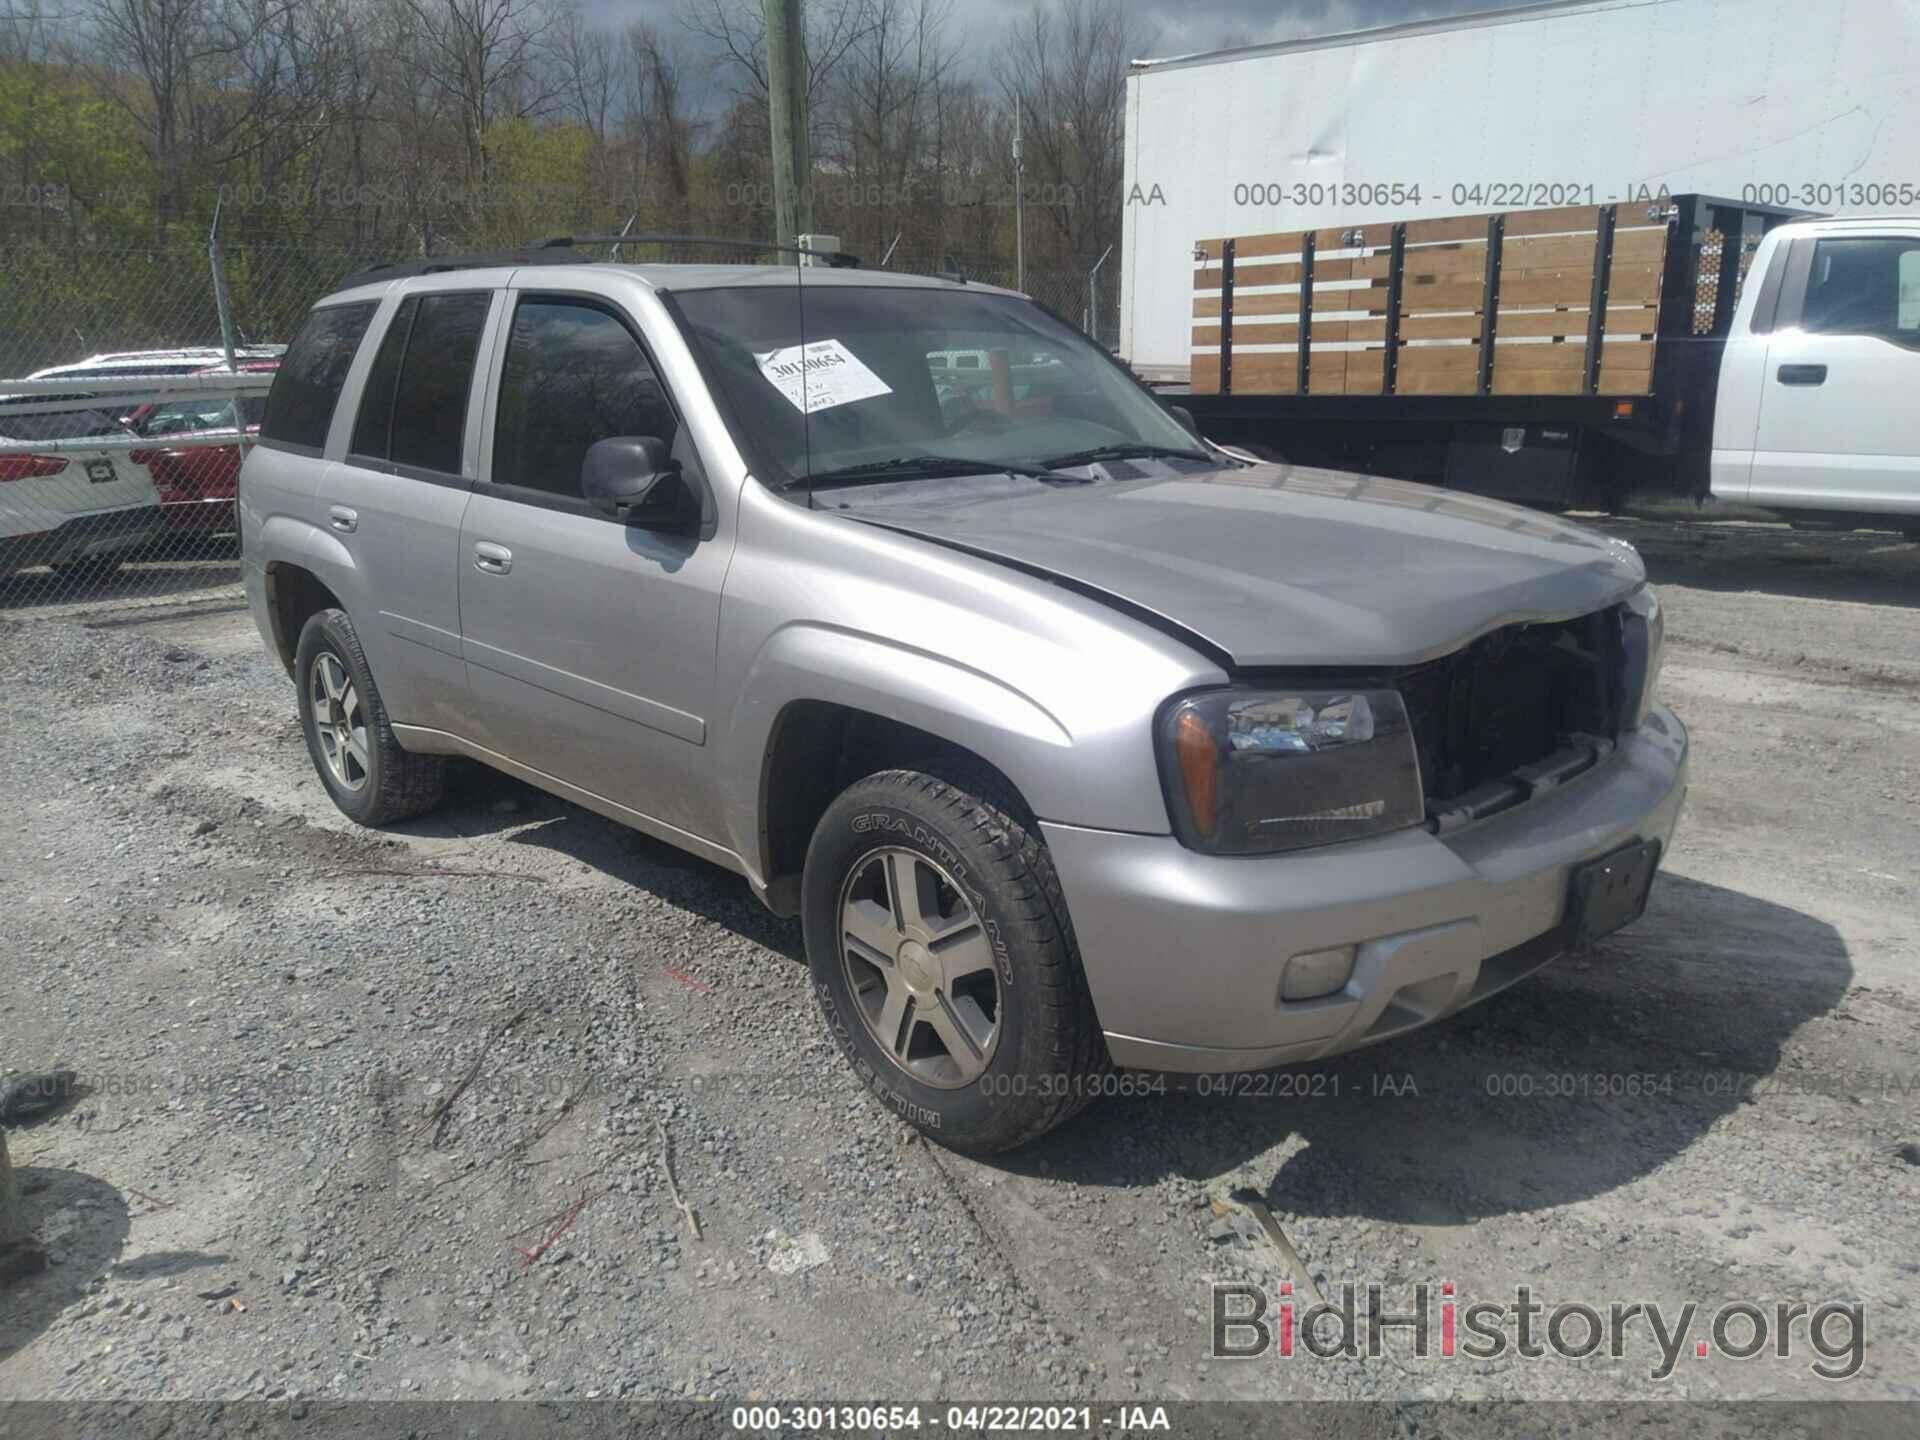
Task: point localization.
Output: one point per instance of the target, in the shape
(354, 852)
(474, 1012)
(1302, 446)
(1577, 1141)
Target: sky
(1179, 27)
(1184, 26)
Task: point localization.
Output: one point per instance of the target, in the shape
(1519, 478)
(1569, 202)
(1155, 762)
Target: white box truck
(1503, 251)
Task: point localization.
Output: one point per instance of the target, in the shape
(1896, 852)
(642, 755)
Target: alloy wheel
(920, 967)
(339, 719)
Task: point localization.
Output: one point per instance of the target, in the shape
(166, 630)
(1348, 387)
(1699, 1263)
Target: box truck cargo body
(1500, 250)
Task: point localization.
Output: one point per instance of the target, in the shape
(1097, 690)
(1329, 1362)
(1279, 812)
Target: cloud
(1170, 27)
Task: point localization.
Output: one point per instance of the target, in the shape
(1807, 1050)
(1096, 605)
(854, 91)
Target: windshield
(890, 373)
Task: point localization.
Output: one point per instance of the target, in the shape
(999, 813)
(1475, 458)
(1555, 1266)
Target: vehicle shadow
(1585, 1076)
(1867, 567)
(481, 801)
(1582, 1078)
(83, 1222)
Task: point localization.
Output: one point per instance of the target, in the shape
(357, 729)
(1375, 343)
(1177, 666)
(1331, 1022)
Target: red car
(198, 484)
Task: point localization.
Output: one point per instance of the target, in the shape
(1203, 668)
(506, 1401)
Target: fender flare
(807, 661)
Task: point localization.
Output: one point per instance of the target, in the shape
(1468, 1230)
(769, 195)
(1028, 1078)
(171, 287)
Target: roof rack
(561, 250)
(838, 259)
(549, 252)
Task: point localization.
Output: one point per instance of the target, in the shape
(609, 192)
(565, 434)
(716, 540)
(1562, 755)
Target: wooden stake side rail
(1529, 302)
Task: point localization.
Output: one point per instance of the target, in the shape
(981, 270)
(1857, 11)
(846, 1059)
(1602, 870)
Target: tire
(1041, 1057)
(376, 782)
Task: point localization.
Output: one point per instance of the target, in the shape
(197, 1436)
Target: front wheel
(944, 961)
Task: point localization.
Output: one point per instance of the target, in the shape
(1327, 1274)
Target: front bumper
(1184, 951)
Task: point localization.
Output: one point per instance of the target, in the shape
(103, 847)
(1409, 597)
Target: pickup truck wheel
(944, 961)
(371, 779)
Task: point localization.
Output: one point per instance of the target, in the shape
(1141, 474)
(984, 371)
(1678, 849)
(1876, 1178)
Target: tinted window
(573, 375)
(307, 385)
(413, 410)
(1865, 286)
(371, 425)
(430, 403)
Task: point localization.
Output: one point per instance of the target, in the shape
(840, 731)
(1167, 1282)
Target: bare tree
(881, 109)
(586, 70)
(206, 83)
(1065, 67)
(662, 131)
(737, 30)
(26, 32)
(483, 57)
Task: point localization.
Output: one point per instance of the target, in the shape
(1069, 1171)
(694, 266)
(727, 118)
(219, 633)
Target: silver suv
(1073, 742)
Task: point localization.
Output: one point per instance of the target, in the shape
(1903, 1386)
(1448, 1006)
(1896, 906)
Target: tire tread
(409, 785)
(975, 802)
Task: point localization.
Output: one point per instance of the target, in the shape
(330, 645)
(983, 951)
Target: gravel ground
(389, 1114)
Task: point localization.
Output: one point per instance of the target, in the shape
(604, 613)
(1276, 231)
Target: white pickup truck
(1818, 412)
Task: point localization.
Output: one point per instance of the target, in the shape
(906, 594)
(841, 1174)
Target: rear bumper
(105, 532)
(1184, 951)
(202, 515)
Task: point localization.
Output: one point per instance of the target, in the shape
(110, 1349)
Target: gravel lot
(382, 1115)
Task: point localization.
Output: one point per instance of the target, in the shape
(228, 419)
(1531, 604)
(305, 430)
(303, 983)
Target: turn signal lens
(1199, 757)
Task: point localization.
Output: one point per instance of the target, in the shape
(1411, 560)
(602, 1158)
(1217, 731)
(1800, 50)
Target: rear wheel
(944, 961)
(369, 776)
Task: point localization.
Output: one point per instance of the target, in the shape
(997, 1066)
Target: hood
(1280, 565)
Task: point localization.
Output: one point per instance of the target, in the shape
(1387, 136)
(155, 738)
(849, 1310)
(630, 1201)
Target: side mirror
(1185, 417)
(633, 478)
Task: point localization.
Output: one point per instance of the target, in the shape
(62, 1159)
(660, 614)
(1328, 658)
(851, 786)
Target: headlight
(1643, 626)
(1248, 772)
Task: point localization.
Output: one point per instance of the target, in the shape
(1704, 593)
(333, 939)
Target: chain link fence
(119, 459)
(122, 431)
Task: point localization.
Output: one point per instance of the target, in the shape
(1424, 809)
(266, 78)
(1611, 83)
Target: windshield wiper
(928, 467)
(1126, 450)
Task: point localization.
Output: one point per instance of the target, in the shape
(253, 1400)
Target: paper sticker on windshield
(820, 375)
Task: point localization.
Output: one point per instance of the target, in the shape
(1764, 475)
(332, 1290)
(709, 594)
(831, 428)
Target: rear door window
(371, 425)
(413, 411)
(307, 385)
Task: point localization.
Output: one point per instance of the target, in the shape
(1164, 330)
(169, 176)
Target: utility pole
(1019, 200)
(787, 116)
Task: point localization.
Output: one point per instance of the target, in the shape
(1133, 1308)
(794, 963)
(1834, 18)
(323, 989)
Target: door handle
(343, 519)
(492, 558)
(1803, 374)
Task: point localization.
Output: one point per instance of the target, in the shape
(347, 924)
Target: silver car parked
(1073, 742)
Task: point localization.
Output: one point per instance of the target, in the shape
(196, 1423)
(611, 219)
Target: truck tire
(944, 961)
(371, 779)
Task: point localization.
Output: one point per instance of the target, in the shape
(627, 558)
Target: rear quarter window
(308, 383)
